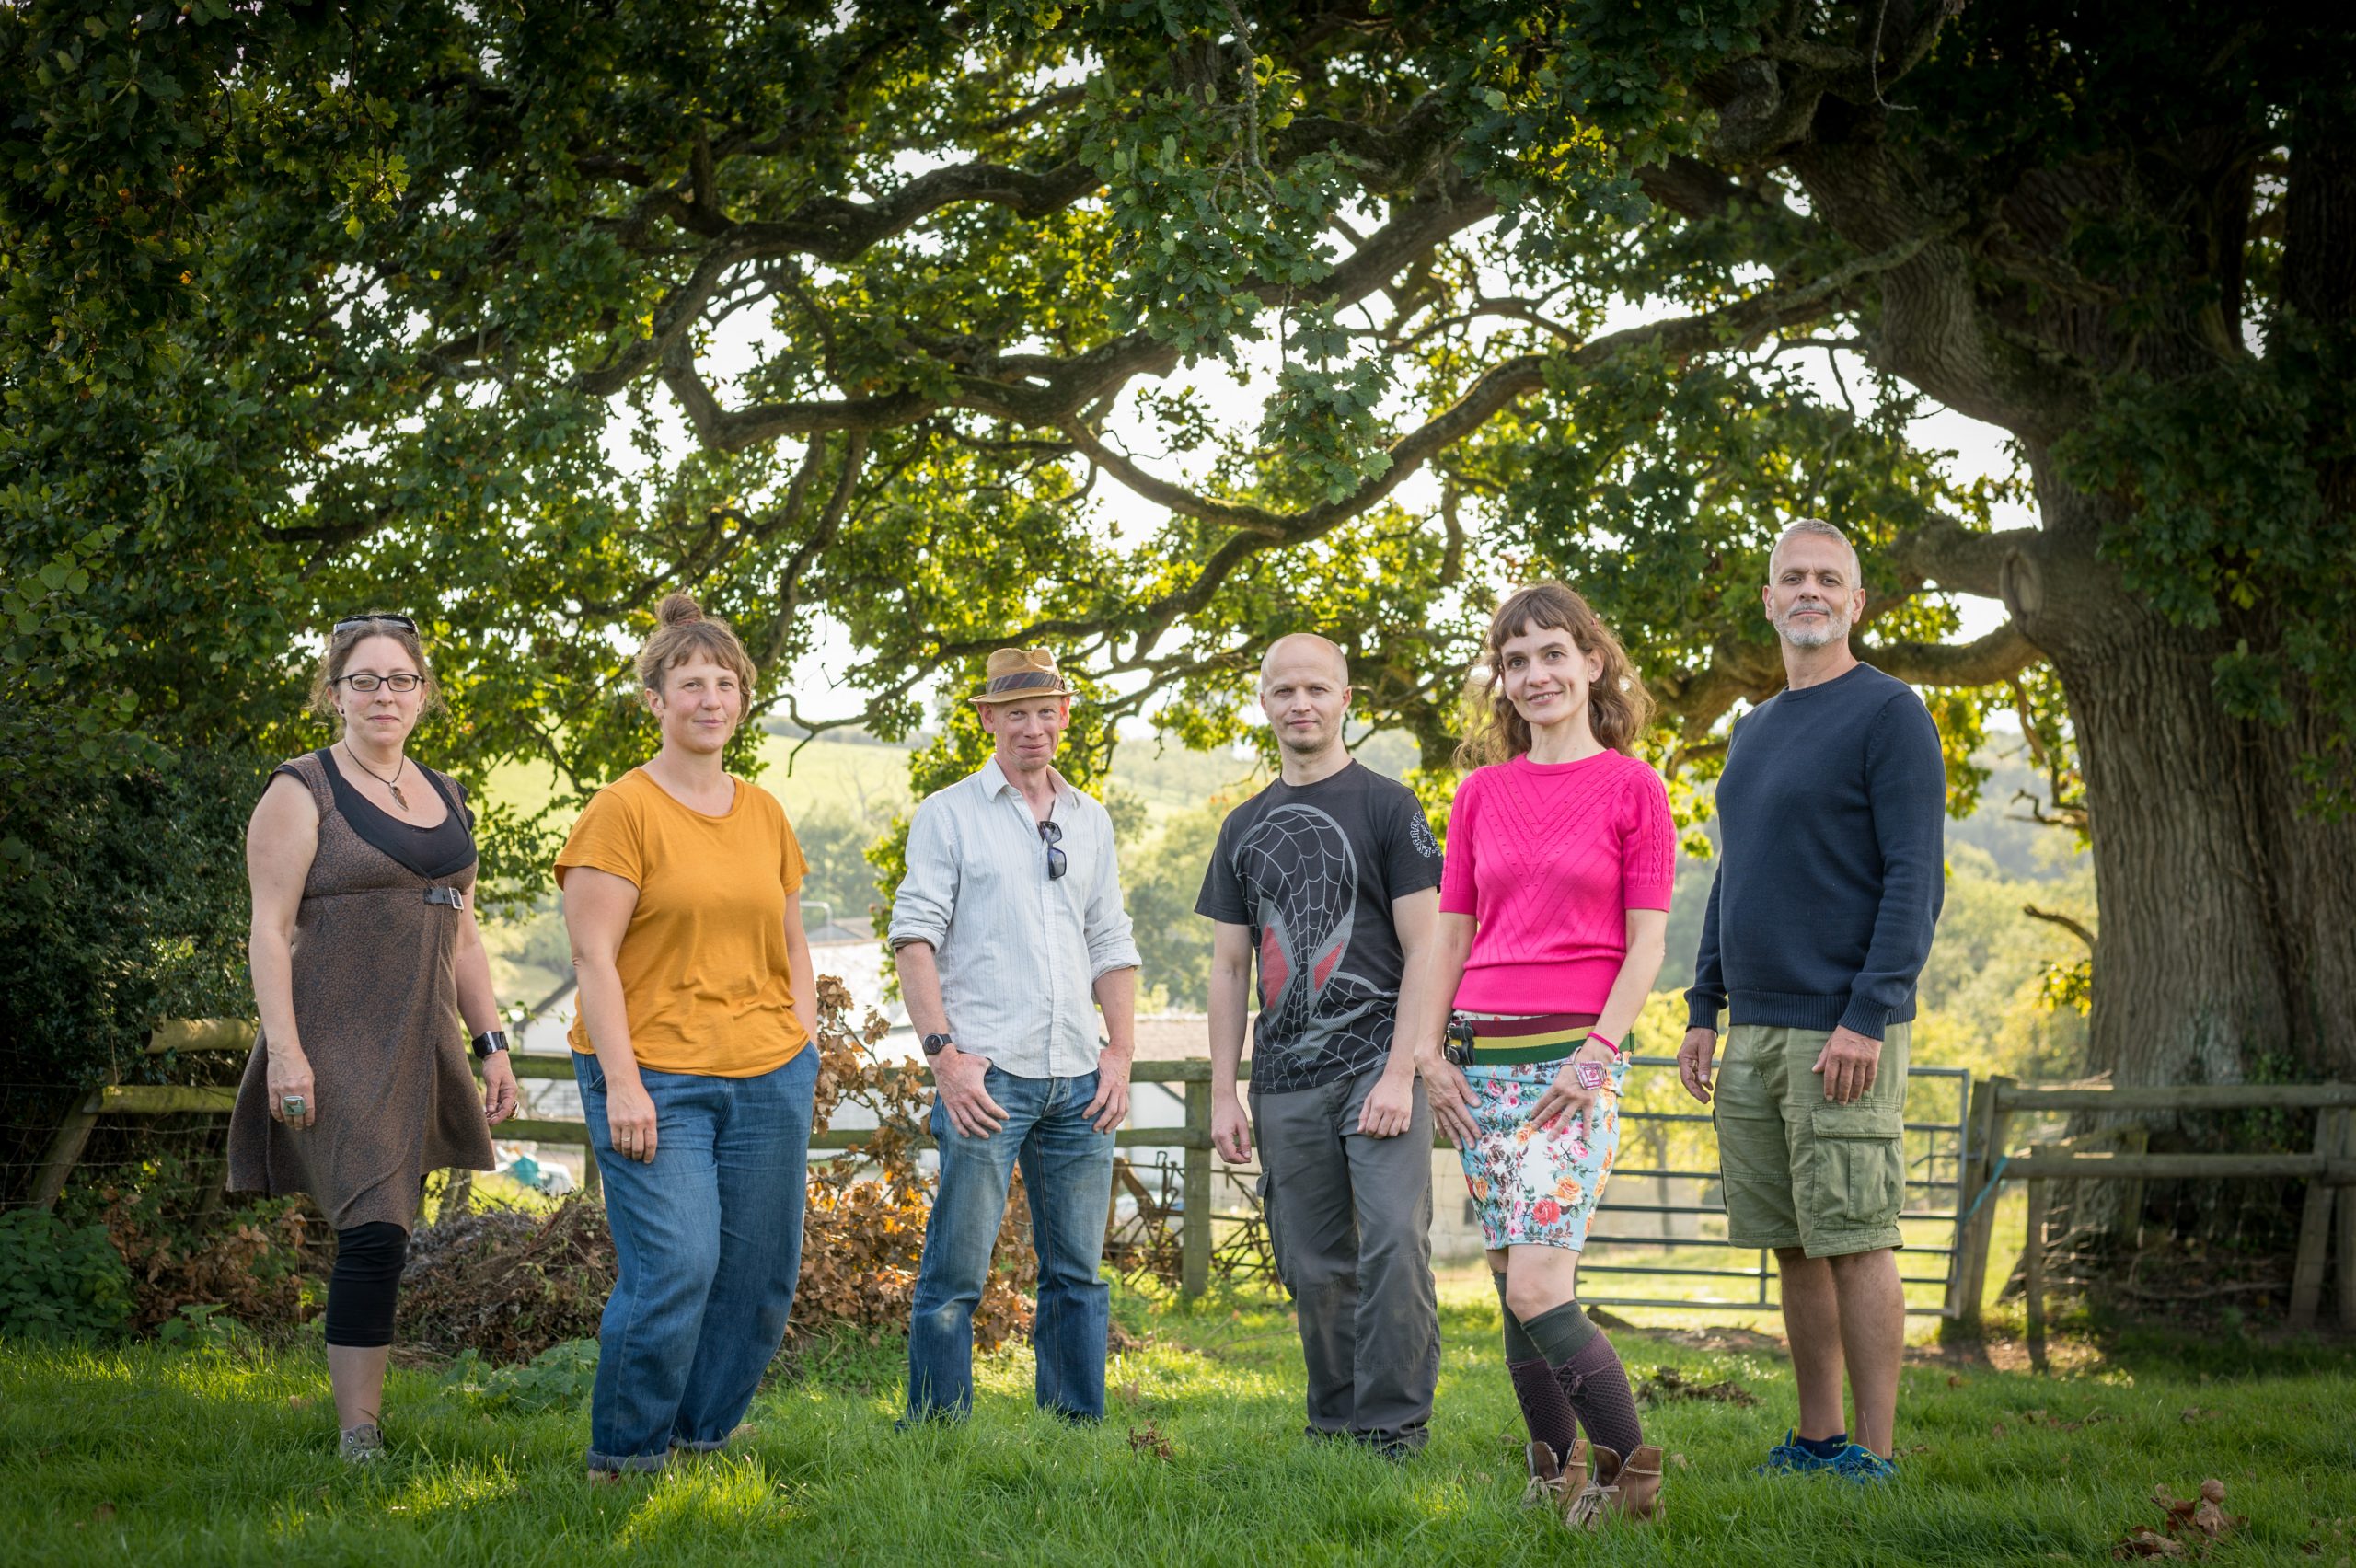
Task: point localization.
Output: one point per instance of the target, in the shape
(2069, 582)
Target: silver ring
(292, 1104)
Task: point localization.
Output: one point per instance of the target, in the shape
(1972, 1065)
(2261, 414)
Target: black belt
(454, 898)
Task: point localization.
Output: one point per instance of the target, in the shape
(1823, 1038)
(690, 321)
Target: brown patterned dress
(376, 1001)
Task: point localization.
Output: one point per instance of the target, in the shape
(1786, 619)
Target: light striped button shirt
(1019, 954)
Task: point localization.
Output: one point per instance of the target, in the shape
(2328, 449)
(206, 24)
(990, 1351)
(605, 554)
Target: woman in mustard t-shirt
(682, 896)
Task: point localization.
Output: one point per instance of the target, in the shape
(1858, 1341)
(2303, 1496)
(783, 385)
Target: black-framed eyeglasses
(1052, 832)
(400, 680)
(349, 621)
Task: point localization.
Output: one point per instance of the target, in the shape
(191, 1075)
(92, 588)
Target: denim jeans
(709, 1238)
(1068, 1171)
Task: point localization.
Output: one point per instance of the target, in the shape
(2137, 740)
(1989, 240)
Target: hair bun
(678, 609)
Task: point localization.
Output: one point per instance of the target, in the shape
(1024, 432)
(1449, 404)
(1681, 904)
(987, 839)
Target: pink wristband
(1609, 1043)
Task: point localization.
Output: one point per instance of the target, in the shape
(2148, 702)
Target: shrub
(251, 1261)
(559, 1378)
(57, 1279)
(865, 1232)
(508, 1285)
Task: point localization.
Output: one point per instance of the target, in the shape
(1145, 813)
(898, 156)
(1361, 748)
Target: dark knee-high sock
(1546, 1409)
(1589, 1372)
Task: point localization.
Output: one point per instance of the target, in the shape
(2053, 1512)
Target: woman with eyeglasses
(365, 960)
(692, 1050)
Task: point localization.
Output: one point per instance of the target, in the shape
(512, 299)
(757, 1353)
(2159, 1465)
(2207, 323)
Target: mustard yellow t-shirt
(704, 979)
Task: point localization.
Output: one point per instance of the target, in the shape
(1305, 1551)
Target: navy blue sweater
(1832, 812)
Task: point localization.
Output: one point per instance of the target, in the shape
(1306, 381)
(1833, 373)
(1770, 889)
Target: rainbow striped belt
(1508, 1041)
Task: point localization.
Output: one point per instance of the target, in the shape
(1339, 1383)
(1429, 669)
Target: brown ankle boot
(1574, 1468)
(1637, 1493)
(1587, 1503)
(1545, 1477)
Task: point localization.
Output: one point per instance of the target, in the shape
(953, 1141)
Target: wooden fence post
(1992, 1124)
(2033, 1268)
(1195, 1253)
(65, 1149)
(2314, 1226)
(2344, 1241)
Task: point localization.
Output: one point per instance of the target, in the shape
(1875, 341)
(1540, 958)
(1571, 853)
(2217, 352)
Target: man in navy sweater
(1831, 807)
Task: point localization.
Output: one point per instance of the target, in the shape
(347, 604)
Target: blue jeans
(1068, 1170)
(709, 1238)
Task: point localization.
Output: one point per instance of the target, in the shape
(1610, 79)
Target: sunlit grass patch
(140, 1454)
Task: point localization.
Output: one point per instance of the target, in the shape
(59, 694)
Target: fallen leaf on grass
(1129, 1391)
(2145, 1541)
(103, 1512)
(1955, 1380)
(1997, 1431)
(1680, 1461)
(2189, 1523)
(1150, 1441)
(2196, 1413)
(1668, 1383)
(299, 1402)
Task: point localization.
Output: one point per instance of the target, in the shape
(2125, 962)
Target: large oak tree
(309, 308)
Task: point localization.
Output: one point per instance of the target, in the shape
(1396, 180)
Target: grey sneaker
(363, 1443)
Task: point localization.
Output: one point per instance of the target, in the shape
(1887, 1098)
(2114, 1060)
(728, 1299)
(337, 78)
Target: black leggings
(365, 1283)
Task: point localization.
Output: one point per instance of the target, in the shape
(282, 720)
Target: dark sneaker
(1861, 1465)
(1787, 1458)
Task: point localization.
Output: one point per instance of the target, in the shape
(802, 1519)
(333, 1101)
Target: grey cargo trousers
(1350, 1221)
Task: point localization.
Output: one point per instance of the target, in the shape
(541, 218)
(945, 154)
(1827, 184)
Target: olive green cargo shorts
(1800, 1170)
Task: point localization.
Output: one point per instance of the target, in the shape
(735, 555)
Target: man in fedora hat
(1009, 935)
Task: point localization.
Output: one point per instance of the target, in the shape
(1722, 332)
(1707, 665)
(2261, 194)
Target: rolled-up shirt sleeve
(921, 906)
(1110, 943)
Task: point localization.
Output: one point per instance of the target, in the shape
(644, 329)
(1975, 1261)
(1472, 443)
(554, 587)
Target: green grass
(139, 1454)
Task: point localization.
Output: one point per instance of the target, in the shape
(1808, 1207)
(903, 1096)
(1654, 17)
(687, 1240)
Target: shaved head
(1301, 646)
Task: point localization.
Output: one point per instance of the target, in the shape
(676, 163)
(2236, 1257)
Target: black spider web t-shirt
(1311, 870)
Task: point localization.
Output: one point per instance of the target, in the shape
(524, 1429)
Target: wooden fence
(1192, 1137)
(2117, 1153)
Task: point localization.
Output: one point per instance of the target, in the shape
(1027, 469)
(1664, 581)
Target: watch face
(934, 1044)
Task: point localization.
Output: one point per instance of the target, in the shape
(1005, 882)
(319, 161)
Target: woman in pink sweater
(1554, 903)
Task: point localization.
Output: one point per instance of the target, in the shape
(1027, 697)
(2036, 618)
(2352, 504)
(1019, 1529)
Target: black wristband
(934, 1044)
(491, 1044)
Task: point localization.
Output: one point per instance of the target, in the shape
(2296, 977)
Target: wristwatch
(489, 1044)
(934, 1044)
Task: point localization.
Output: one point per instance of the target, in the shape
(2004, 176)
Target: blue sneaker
(1861, 1465)
(1787, 1458)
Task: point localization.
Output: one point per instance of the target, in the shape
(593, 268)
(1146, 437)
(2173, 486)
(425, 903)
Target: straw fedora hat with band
(1015, 674)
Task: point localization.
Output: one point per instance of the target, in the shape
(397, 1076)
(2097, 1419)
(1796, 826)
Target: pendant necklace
(393, 783)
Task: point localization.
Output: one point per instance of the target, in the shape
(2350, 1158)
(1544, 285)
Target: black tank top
(442, 850)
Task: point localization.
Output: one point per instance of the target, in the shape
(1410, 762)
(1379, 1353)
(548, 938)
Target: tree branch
(2000, 655)
(2075, 927)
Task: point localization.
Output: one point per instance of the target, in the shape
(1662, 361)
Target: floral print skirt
(1534, 1188)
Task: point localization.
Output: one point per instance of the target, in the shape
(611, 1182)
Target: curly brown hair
(1618, 706)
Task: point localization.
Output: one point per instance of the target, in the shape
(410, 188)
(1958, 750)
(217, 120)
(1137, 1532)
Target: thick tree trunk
(2228, 940)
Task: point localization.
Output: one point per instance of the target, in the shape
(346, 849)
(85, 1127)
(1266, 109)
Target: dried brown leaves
(2190, 1526)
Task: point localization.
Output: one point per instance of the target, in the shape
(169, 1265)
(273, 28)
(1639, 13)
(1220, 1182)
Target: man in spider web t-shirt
(1328, 878)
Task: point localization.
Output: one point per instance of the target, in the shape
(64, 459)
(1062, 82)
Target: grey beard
(1835, 628)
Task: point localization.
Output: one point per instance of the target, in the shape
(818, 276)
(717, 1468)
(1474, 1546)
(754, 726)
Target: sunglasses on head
(349, 622)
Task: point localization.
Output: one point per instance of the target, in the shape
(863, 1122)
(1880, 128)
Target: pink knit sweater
(1548, 859)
